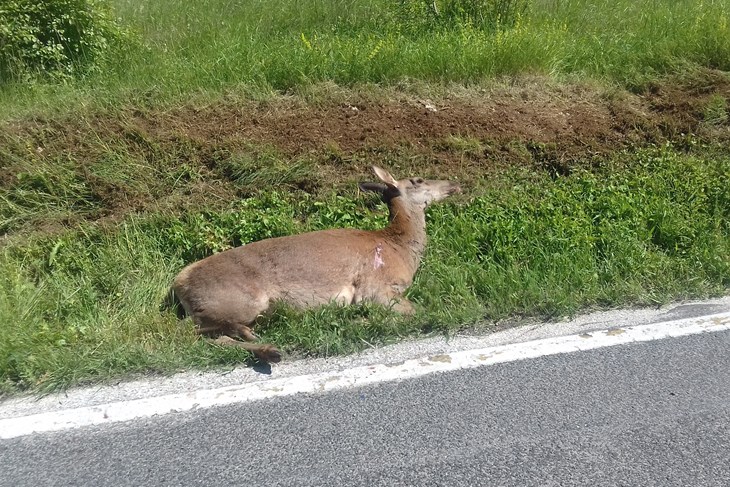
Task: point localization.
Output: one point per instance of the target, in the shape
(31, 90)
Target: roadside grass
(81, 301)
(214, 48)
(85, 304)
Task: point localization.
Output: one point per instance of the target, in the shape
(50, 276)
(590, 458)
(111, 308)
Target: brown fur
(226, 292)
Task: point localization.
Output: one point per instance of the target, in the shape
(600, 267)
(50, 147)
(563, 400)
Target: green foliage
(340, 212)
(467, 40)
(637, 235)
(716, 111)
(333, 329)
(253, 170)
(214, 47)
(267, 215)
(51, 188)
(419, 16)
(198, 235)
(84, 304)
(60, 38)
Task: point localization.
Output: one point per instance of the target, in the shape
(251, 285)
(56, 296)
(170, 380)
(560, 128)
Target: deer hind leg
(403, 306)
(397, 303)
(245, 332)
(264, 351)
(394, 299)
(230, 320)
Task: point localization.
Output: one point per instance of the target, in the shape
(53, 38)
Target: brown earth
(465, 134)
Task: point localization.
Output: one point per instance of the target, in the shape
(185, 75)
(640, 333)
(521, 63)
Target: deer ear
(385, 177)
(376, 187)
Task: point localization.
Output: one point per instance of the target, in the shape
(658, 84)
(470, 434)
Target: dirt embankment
(533, 122)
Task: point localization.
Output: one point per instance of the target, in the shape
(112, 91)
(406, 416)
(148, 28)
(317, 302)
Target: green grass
(248, 48)
(646, 228)
(81, 286)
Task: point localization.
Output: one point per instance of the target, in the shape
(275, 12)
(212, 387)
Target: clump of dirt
(680, 105)
(194, 156)
(575, 119)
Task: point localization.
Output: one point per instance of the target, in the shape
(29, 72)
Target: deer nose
(455, 189)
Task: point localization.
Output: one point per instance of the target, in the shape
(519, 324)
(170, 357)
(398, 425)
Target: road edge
(127, 410)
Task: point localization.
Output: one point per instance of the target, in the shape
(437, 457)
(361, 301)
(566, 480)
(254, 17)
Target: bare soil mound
(532, 122)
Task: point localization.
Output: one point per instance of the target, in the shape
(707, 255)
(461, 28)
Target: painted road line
(359, 376)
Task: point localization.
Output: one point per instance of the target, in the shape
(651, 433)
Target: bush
(425, 15)
(59, 38)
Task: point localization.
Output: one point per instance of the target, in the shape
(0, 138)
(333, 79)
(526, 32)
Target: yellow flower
(306, 42)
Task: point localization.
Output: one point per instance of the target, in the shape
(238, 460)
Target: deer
(227, 292)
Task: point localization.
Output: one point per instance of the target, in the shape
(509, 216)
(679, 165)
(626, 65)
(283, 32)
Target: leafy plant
(198, 235)
(84, 303)
(425, 15)
(61, 38)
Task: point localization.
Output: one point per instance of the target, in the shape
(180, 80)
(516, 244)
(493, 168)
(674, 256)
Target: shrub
(59, 38)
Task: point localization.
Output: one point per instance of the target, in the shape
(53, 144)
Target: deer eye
(417, 181)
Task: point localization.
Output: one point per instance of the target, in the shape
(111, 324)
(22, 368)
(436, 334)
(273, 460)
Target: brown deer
(226, 292)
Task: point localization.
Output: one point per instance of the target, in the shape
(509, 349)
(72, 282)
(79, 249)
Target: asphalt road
(652, 413)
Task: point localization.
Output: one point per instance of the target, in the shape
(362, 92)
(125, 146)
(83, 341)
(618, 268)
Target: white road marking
(359, 376)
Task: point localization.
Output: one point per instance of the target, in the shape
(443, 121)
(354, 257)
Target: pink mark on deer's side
(378, 259)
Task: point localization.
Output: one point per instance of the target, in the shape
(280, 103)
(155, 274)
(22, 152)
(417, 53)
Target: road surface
(646, 413)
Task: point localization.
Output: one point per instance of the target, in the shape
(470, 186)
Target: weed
(256, 170)
(60, 38)
(419, 16)
(219, 47)
(83, 305)
(464, 144)
(82, 302)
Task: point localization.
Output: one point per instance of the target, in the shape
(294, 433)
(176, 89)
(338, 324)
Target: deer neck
(407, 228)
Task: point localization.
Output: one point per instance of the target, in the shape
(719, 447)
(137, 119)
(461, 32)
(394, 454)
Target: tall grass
(257, 48)
(85, 304)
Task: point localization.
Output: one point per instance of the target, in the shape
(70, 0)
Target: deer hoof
(269, 354)
(404, 307)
